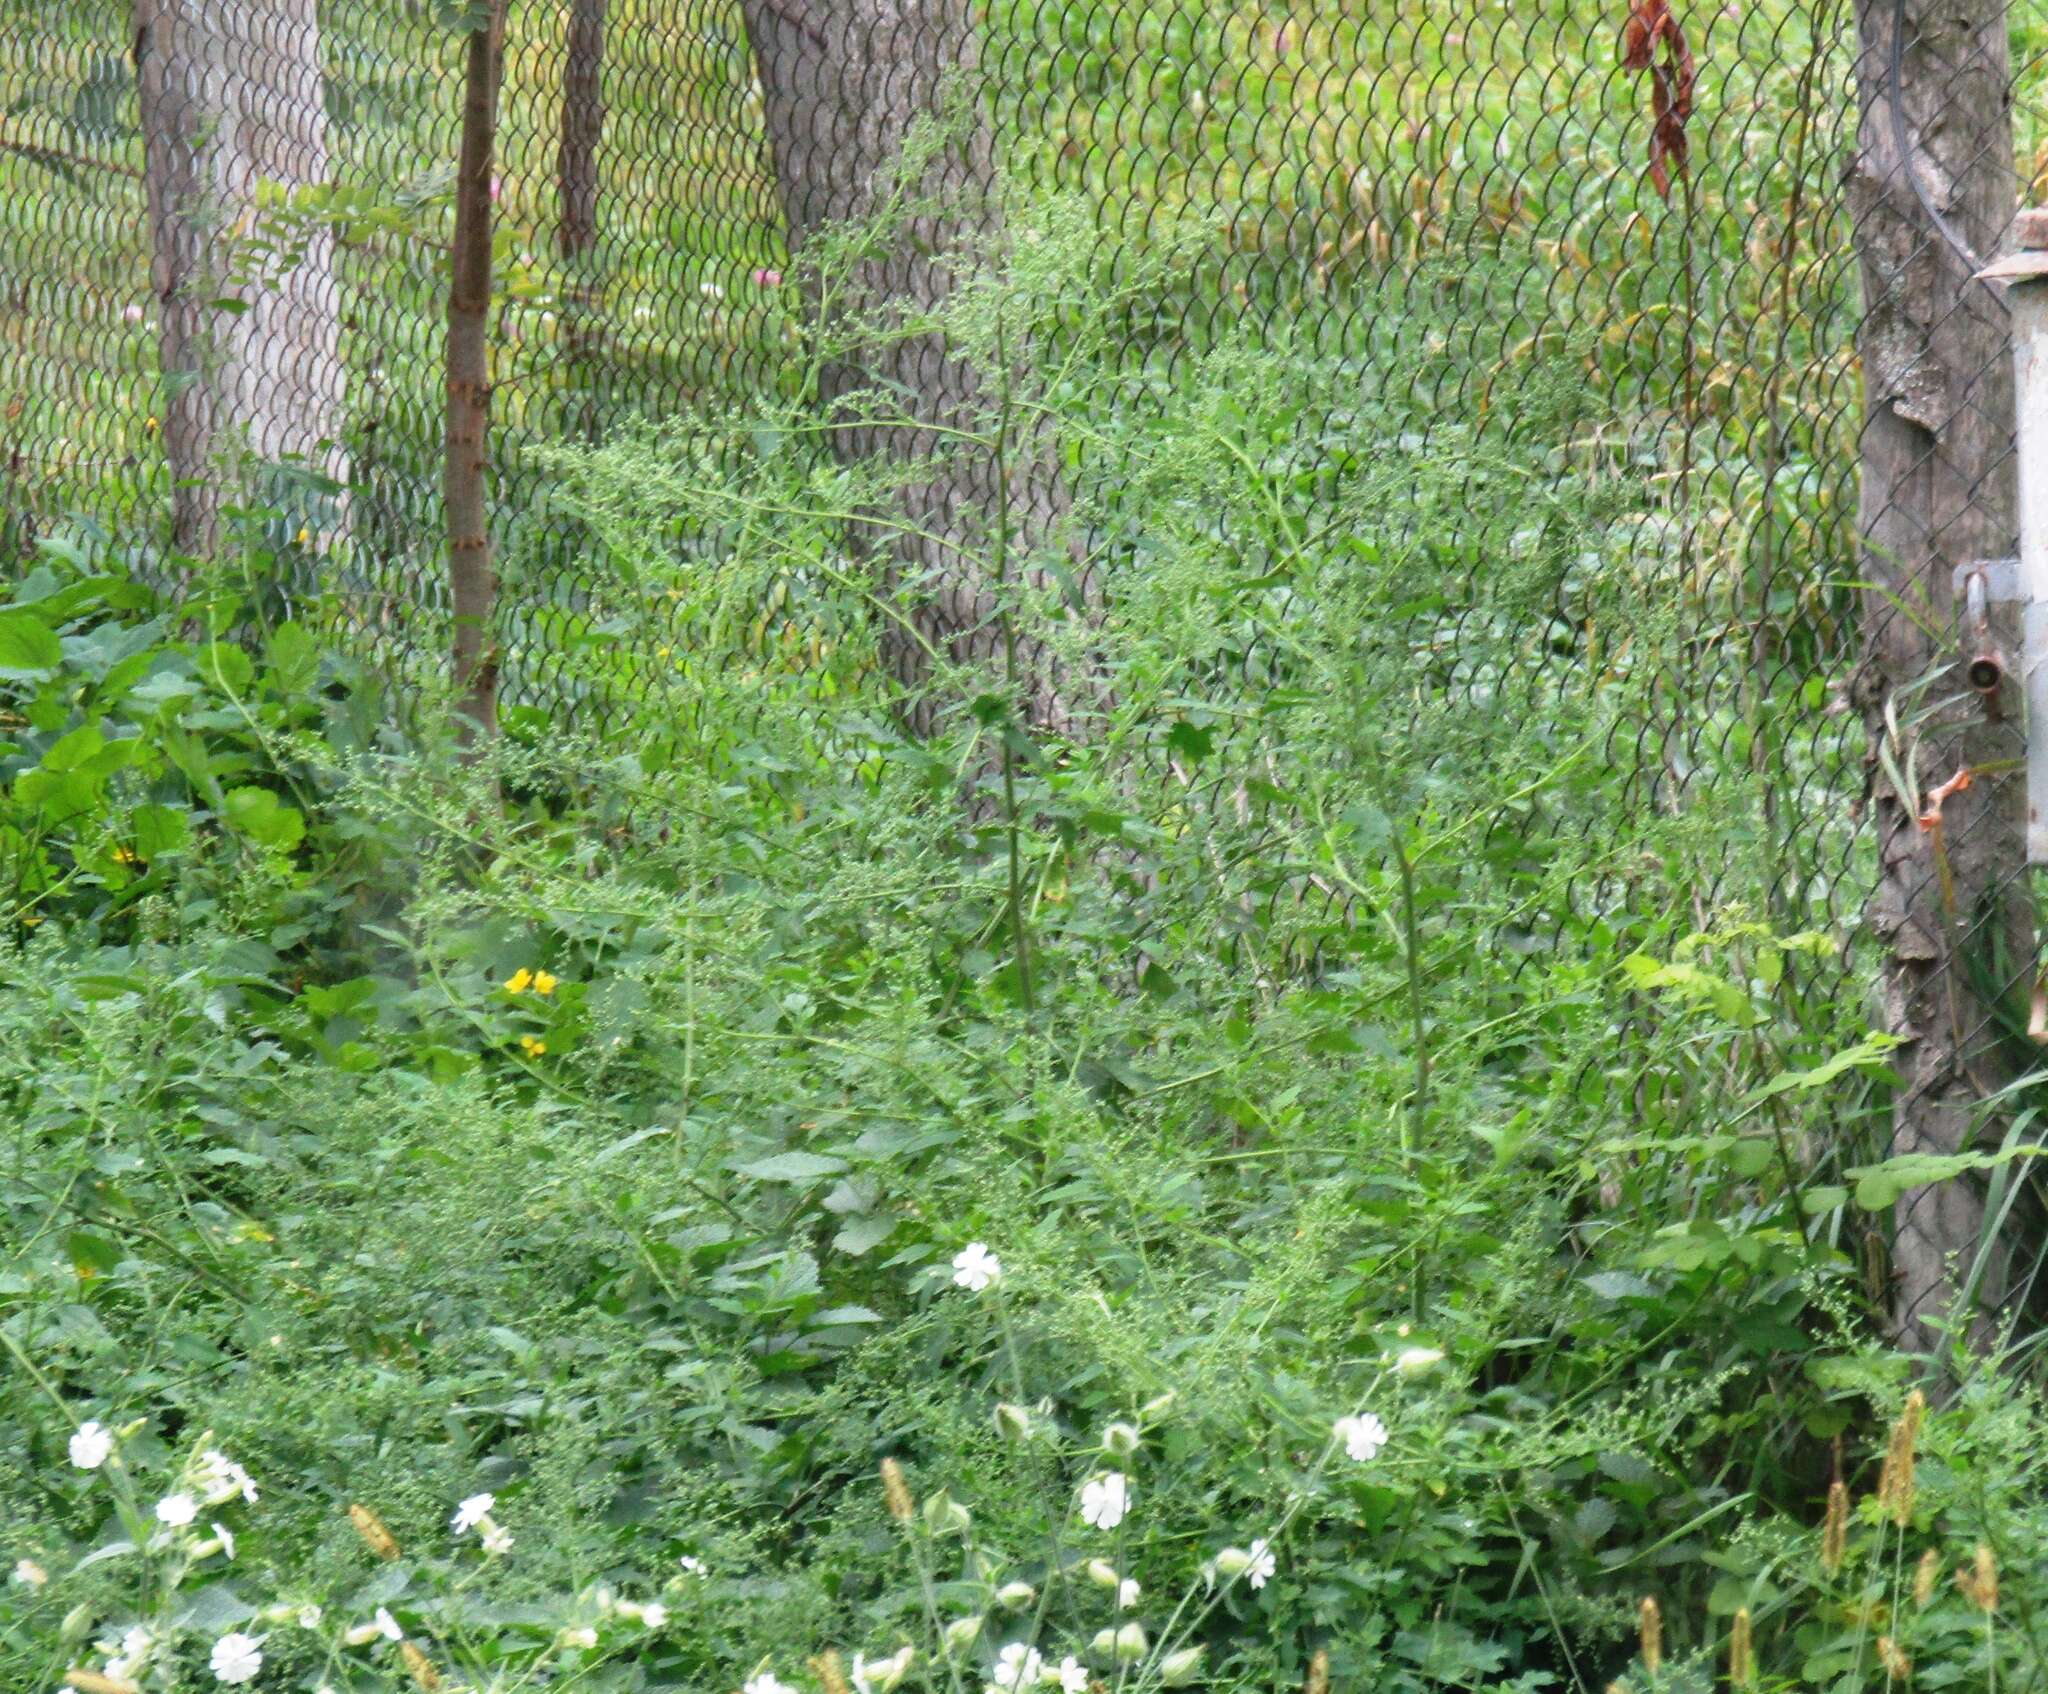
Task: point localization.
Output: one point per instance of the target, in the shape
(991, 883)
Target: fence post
(2026, 274)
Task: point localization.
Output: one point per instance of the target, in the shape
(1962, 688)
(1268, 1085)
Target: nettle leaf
(263, 818)
(28, 646)
(1880, 1186)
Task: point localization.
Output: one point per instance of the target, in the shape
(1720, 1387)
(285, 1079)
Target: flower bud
(1233, 1562)
(884, 1675)
(1120, 1440)
(1104, 1643)
(944, 1515)
(584, 1638)
(962, 1633)
(1016, 1595)
(1102, 1573)
(1157, 1408)
(1131, 1643)
(1417, 1361)
(1013, 1423)
(77, 1624)
(1179, 1668)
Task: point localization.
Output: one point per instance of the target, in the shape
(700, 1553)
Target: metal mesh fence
(1611, 247)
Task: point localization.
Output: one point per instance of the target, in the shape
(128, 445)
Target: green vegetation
(1364, 1170)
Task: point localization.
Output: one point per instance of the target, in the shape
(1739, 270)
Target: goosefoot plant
(1071, 1616)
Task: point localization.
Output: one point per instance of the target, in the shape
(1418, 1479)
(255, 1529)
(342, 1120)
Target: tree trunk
(233, 95)
(1932, 194)
(842, 82)
(582, 129)
(472, 583)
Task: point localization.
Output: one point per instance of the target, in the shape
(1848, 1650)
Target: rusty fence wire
(1627, 234)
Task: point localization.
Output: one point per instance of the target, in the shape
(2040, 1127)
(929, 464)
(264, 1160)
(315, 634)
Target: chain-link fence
(1617, 243)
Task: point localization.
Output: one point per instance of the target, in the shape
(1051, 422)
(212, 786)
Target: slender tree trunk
(472, 582)
(842, 83)
(582, 129)
(1932, 193)
(233, 96)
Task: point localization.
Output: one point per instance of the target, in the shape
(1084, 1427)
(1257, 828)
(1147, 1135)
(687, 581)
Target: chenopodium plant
(1084, 1623)
(177, 1618)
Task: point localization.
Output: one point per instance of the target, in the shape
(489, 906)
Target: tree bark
(1932, 194)
(842, 83)
(472, 581)
(582, 129)
(233, 96)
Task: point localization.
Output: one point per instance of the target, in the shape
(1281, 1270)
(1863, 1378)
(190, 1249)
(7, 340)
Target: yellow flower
(543, 983)
(305, 535)
(519, 981)
(124, 855)
(532, 1047)
(149, 426)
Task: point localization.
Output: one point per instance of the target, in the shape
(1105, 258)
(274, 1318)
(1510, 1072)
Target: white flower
(236, 1657)
(767, 1683)
(383, 1624)
(1121, 1440)
(1070, 1674)
(692, 1565)
(975, 1267)
(177, 1510)
(219, 1478)
(495, 1538)
(226, 1538)
(1363, 1436)
(1127, 1592)
(1263, 1564)
(1105, 1499)
(654, 1615)
(1414, 1361)
(584, 1637)
(472, 1512)
(309, 1617)
(30, 1574)
(1018, 1666)
(881, 1676)
(90, 1445)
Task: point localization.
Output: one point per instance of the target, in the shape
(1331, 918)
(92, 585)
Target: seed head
(1978, 1581)
(1834, 1535)
(1741, 1652)
(1925, 1574)
(375, 1536)
(1897, 1667)
(896, 1492)
(1650, 1633)
(1318, 1679)
(419, 1667)
(92, 1682)
(830, 1676)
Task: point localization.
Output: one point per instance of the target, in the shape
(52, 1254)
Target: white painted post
(2026, 275)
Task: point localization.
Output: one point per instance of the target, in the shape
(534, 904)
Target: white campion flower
(1261, 1565)
(219, 1478)
(223, 1542)
(1018, 1666)
(1105, 1499)
(1363, 1436)
(585, 1637)
(383, 1624)
(693, 1566)
(30, 1574)
(1127, 1592)
(881, 1676)
(654, 1615)
(90, 1445)
(177, 1510)
(976, 1268)
(495, 1538)
(766, 1682)
(1070, 1674)
(236, 1657)
(309, 1617)
(472, 1512)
